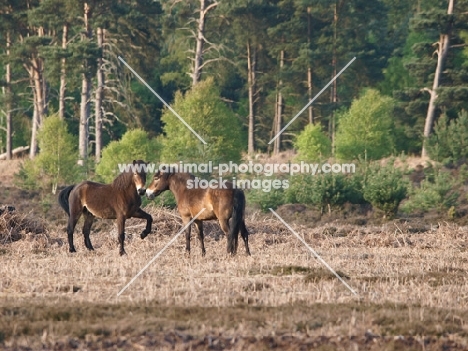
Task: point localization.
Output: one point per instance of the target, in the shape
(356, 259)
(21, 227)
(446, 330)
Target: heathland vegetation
(237, 72)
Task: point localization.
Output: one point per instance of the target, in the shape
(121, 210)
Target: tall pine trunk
(99, 96)
(279, 110)
(199, 45)
(442, 51)
(85, 89)
(63, 72)
(334, 90)
(251, 81)
(36, 74)
(309, 69)
(8, 96)
(38, 86)
(200, 40)
(34, 126)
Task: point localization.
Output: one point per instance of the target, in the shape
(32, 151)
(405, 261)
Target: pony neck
(123, 181)
(178, 183)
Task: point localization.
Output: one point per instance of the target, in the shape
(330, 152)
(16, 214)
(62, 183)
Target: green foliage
(325, 189)
(312, 144)
(449, 142)
(385, 187)
(393, 41)
(56, 163)
(436, 192)
(135, 144)
(397, 77)
(165, 199)
(204, 111)
(366, 129)
(266, 199)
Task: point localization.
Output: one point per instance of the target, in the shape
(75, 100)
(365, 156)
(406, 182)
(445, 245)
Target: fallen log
(15, 152)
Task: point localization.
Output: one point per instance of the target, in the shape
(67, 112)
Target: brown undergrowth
(411, 281)
(15, 225)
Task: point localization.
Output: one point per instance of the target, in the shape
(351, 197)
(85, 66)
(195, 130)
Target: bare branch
(459, 46)
(210, 7)
(216, 59)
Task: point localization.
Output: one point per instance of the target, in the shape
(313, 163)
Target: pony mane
(181, 176)
(185, 176)
(123, 180)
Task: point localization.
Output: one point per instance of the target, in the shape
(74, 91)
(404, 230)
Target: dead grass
(411, 282)
(15, 225)
(8, 170)
(147, 325)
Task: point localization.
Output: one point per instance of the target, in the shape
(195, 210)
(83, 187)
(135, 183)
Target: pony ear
(134, 162)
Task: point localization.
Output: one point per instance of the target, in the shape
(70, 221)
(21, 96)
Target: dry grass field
(411, 280)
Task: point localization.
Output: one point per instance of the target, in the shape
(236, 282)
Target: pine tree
(203, 110)
(366, 129)
(440, 77)
(249, 23)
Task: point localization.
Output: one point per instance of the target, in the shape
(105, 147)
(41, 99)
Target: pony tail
(63, 198)
(237, 220)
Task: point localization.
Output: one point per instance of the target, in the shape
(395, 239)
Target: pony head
(139, 176)
(159, 184)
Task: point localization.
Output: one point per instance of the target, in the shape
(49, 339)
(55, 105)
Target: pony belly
(106, 213)
(207, 215)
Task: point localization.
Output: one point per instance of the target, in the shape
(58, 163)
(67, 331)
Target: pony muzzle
(151, 194)
(141, 191)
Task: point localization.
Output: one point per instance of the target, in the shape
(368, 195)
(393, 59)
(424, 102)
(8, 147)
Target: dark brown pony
(119, 200)
(221, 204)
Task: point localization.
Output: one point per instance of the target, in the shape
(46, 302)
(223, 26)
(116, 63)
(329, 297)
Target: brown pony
(221, 204)
(119, 200)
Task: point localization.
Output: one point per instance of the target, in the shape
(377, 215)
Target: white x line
(164, 102)
(311, 101)
(313, 251)
(160, 252)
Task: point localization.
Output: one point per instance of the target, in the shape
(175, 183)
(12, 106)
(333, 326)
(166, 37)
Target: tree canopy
(258, 62)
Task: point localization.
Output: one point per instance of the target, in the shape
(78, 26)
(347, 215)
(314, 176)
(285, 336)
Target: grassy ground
(411, 281)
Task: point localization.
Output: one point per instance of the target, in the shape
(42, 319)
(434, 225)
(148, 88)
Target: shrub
(436, 192)
(312, 144)
(204, 111)
(385, 187)
(165, 199)
(449, 142)
(266, 199)
(366, 129)
(135, 144)
(56, 163)
(325, 190)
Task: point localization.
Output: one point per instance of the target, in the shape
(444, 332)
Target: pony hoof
(143, 235)
(203, 253)
(122, 252)
(72, 249)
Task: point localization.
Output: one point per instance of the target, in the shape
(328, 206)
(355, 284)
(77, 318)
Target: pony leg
(121, 231)
(245, 236)
(199, 225)
(149, 221)
(89, 219)
(75, 214)
(72, 220)
(231, 240)
(185, 220)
